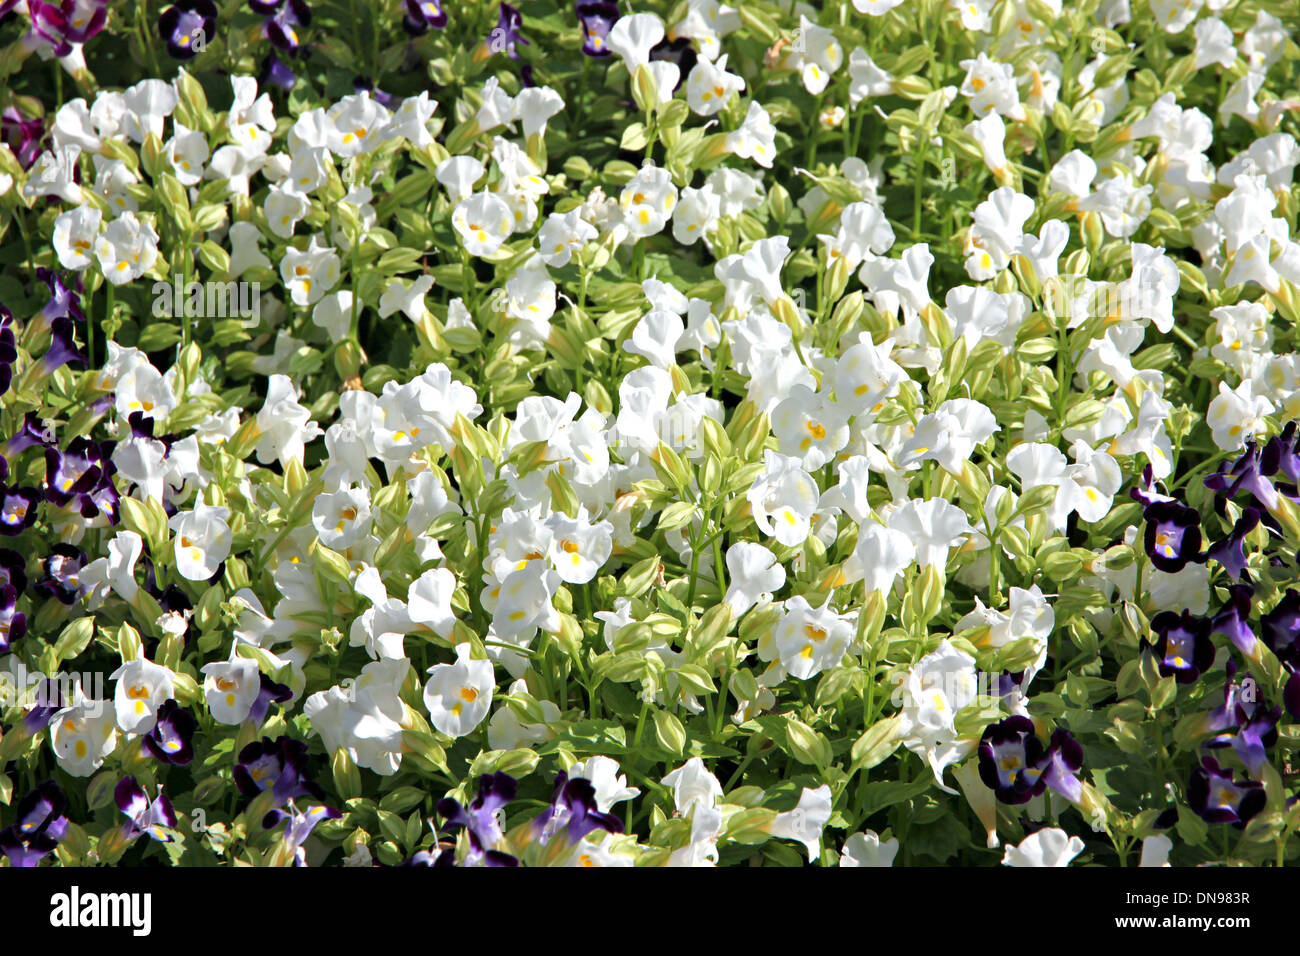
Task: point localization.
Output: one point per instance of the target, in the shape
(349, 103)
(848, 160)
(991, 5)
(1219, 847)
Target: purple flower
(187, 26)
(1173, 535)
(1064, 760)
(573, 812)
(1016, 766)
(1010, 755)
(276, 72)
(300, 826)
(282, 28)
(505, 35)
(279, 765)
(21, 135)
(269, 692)
(34, 432)
(13, 623)
(1250, 472)
(1231, 551)
(596, 20)
(8, 349)
(171, 739)
(144, 816)
(17, 509)
(1217, 798)
(63, 347)
(1281, 626)
(39, 827)
(49, 701)
(481, 818)
(1183, 648)
(1151, 490)
(61, 571)
(423, 14)
(1284, 447)
(1231, 621)
(73, 472)
(1291, 695)
(13, 569)
(64, 302)
(1254, 735)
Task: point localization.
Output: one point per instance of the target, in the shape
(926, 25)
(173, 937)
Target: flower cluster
(613, 434)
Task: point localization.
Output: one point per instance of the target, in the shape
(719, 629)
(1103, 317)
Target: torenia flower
(284, 425)
(579, 548)
(458, 695)
(633, 37)
(809, 640)
(937, 687)
(231, 688)
(1236, 415)
(804, 824)
(83, 734)
(75, 232)
(202, 540)
(754, 575)
(755, 138)
(342, 518)
(867, 849)
(784, 499)
(648, 201)
(562, 235)
(816, 55)
(141, 687)
(144, 816)
(934, 526)
(484, 222)
(126, 249)
(810, 427)
(1048, 847)
(880, 556)
(709, 87)
(308, 274)
(428, 600)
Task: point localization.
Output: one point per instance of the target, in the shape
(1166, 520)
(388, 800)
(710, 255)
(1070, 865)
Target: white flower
(1047, 847)
(632, 38)
(648, 201)
(810, 640)
(693, 786)
(484, 222)
(562, 235)
(804, 824)
(126, 249)
(458, 695)
(309, 273)
(610, 785)
(783, 499)
(75, 232)
(754, 574)
(709, 87)
(936, 688)
(231, 688)
(428, 600)
(284, 426)
(142, 686)
(755, 138)
(867, 849)
(1235, 415)
(934, 526)
(83, 734)
(202, 540)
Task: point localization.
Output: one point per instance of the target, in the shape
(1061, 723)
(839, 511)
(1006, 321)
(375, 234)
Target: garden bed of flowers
(649, 433)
